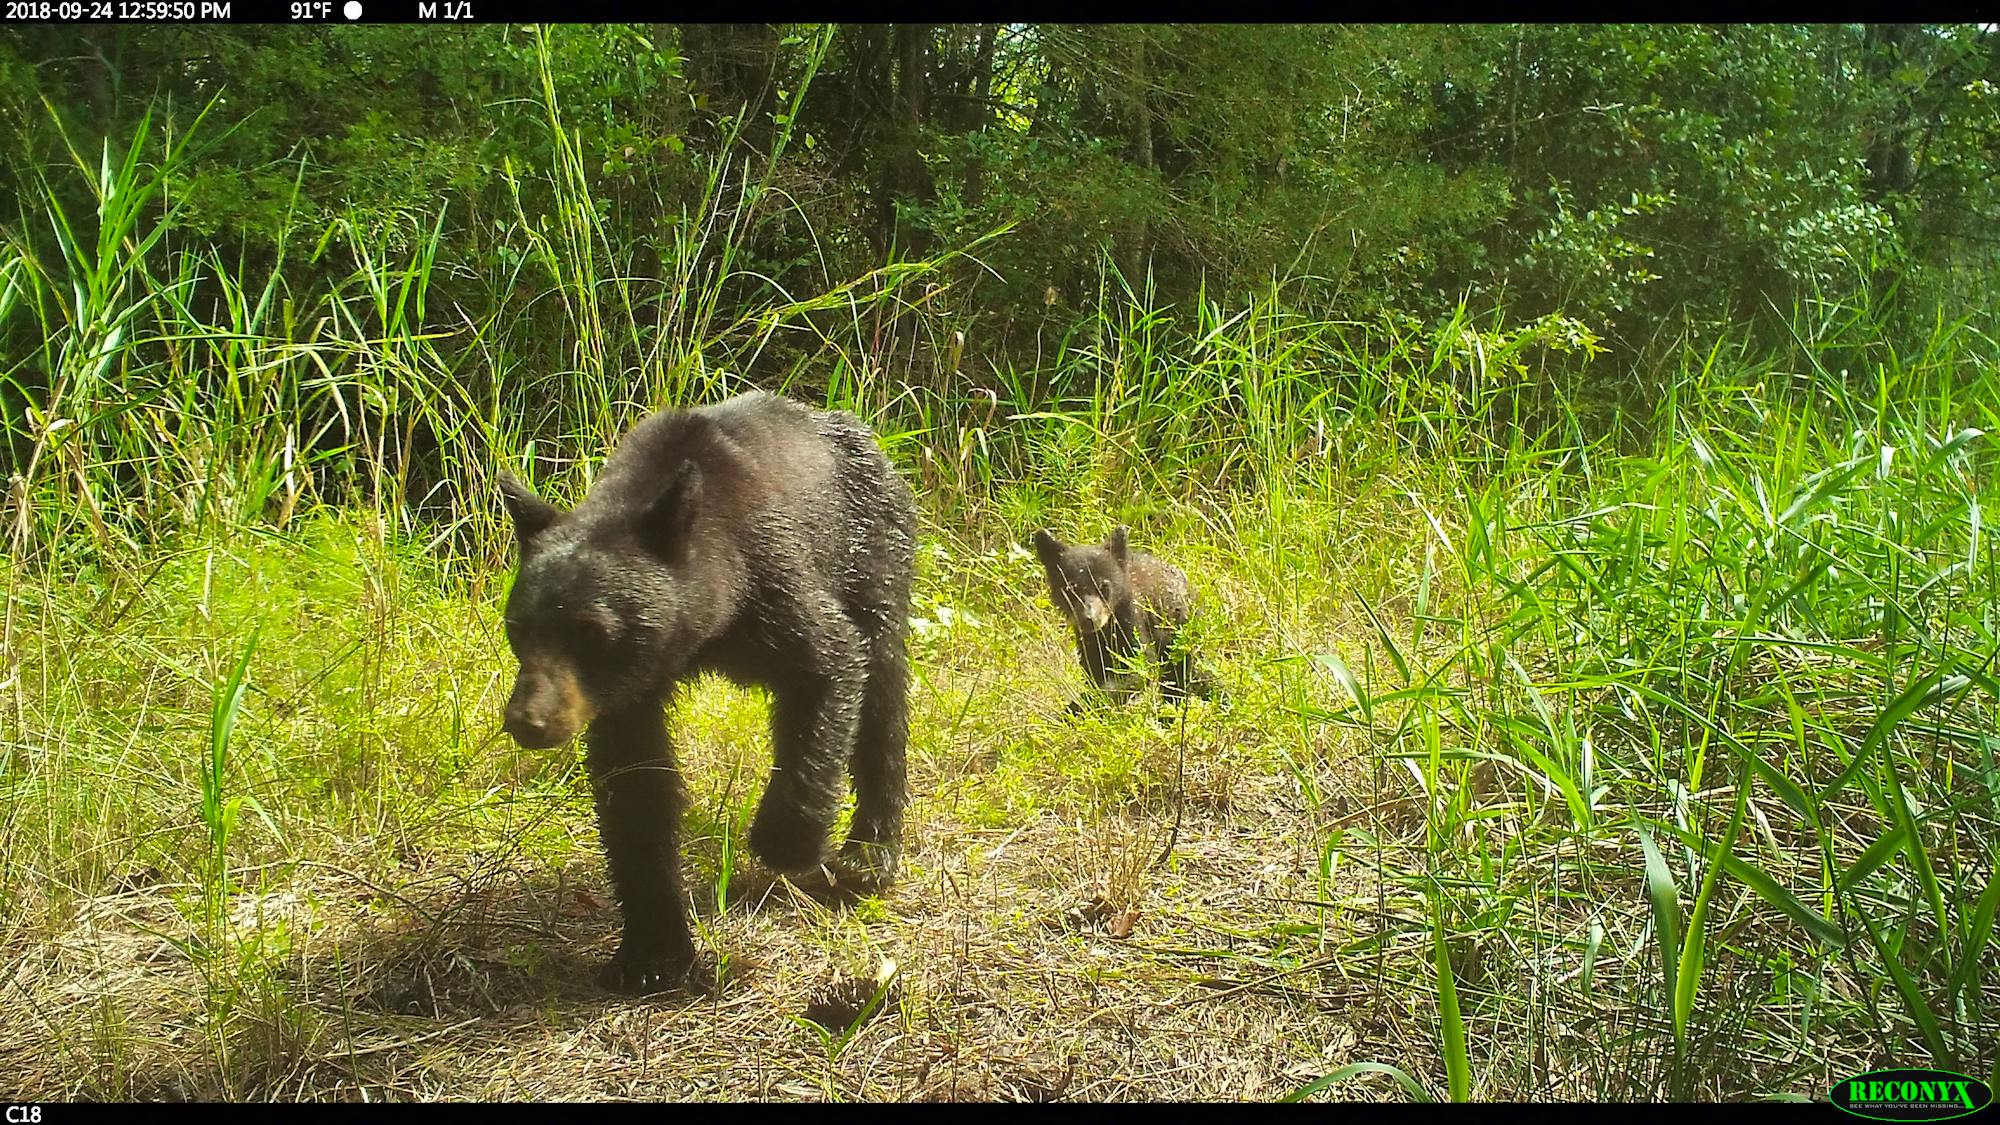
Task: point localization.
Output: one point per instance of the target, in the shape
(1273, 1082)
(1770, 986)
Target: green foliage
(1635, 177)
(1733, 163)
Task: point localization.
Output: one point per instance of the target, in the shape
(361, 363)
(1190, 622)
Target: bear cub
(755, 538)
(1126, 608)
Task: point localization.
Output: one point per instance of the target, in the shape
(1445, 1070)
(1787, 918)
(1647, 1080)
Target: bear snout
(531, 731)
(545, 710)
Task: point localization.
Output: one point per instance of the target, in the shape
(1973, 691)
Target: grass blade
(1666, 902)
(1351, 1070)
(1926, 689)
(1457, 1070)
(1767, 888)
(1913, 997)
(1694, 948)
(1978, 935)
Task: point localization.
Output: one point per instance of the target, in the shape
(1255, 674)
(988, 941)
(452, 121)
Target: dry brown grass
(1016, 983)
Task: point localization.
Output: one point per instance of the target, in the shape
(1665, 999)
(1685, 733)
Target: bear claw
(641, 975)
(865, 868)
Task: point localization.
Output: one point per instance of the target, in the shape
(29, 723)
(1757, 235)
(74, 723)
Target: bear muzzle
(547, 708)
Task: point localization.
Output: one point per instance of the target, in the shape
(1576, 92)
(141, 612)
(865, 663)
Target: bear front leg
(638, 812)
(1107, 663)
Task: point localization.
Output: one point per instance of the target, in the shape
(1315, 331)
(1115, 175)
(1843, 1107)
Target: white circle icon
(352, 9)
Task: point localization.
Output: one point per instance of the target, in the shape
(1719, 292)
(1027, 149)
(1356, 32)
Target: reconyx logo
(1911, 1095)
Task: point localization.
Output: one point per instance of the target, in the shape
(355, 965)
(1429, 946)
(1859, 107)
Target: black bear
(1126, 608)
(755, 538)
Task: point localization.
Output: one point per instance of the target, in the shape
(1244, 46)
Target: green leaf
(1457, 1069)
(1767, 888)
(1830, 481)
(1409, 1084)
(1878, 853)
(1694, 950)
(1787, 790)
(1978, 935)
(1927, 689)
(1665, 898)
(1913, 996)
(1382, 632)
(1913, 842)
(1332, 662)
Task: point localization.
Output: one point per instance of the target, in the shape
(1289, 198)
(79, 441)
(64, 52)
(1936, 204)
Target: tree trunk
(981, 113)
(1889, 166)
(903, 174)
(99, 45)
(1132, 243)
(1890, 169)
(735, 64)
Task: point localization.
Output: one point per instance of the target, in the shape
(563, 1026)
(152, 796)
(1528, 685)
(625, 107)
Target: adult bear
(756, 538)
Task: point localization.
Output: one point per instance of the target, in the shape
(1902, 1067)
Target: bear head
(600, 608)
(1087, 582)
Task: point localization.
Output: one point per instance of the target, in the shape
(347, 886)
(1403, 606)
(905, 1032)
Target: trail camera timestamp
(136, 10)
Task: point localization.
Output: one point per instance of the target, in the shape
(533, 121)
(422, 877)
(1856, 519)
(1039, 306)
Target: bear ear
(667, 525)
(1048, 546)
(1115, 543)
(532, 515)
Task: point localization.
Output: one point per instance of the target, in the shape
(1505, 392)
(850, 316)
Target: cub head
(1086, 581)
(599, 610)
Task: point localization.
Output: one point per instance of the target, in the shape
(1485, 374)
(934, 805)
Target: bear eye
(596, 629)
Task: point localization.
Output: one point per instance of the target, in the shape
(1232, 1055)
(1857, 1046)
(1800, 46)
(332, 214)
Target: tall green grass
(1766, 642)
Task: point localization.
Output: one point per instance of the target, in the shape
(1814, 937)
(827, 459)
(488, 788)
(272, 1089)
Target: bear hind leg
(879, 768)
(814, 716)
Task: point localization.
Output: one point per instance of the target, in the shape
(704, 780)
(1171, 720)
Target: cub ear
(531, 514)
(1115, 543)
(666, 527)
(1048, 547)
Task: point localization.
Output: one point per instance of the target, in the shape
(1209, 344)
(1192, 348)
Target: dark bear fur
(756, 538)
(1126, 608)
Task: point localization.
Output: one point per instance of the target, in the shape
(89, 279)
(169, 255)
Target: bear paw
(787, 841)
(640, 974)
(864, 867)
